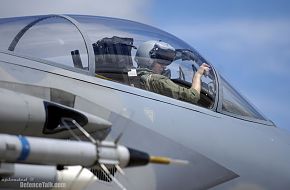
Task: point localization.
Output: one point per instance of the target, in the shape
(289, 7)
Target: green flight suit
(162, 85)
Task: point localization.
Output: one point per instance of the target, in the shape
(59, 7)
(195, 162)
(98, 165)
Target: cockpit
(106, 48)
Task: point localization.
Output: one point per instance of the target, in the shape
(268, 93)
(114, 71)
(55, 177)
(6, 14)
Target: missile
(36, 150)
(31, 116)
(45, 151)
(31, 152)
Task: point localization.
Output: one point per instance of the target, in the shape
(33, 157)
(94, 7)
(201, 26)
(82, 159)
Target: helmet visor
(164, 55)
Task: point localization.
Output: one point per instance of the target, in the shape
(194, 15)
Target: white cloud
(128, 9)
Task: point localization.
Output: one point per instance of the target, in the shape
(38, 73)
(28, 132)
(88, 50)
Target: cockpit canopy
(106, 48)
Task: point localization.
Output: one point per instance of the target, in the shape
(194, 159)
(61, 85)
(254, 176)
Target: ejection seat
(113, 58)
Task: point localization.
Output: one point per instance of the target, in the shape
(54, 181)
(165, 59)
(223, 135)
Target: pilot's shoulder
(148, 75)
(158, 77)
(143, 71)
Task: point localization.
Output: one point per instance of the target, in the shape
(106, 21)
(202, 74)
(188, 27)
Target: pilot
(153, 57)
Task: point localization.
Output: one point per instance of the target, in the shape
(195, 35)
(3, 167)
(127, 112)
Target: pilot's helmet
(151, 51)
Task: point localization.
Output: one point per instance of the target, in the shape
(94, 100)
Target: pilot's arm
(196, 79)
(162, 85)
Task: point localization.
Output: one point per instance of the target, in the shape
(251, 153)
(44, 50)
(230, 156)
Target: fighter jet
(82, 107)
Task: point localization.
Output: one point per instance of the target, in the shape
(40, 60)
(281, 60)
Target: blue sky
(247, 41)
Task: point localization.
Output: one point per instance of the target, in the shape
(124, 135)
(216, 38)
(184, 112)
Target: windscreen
(234, 103)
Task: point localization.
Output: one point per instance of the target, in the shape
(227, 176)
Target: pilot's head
(155, 55)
